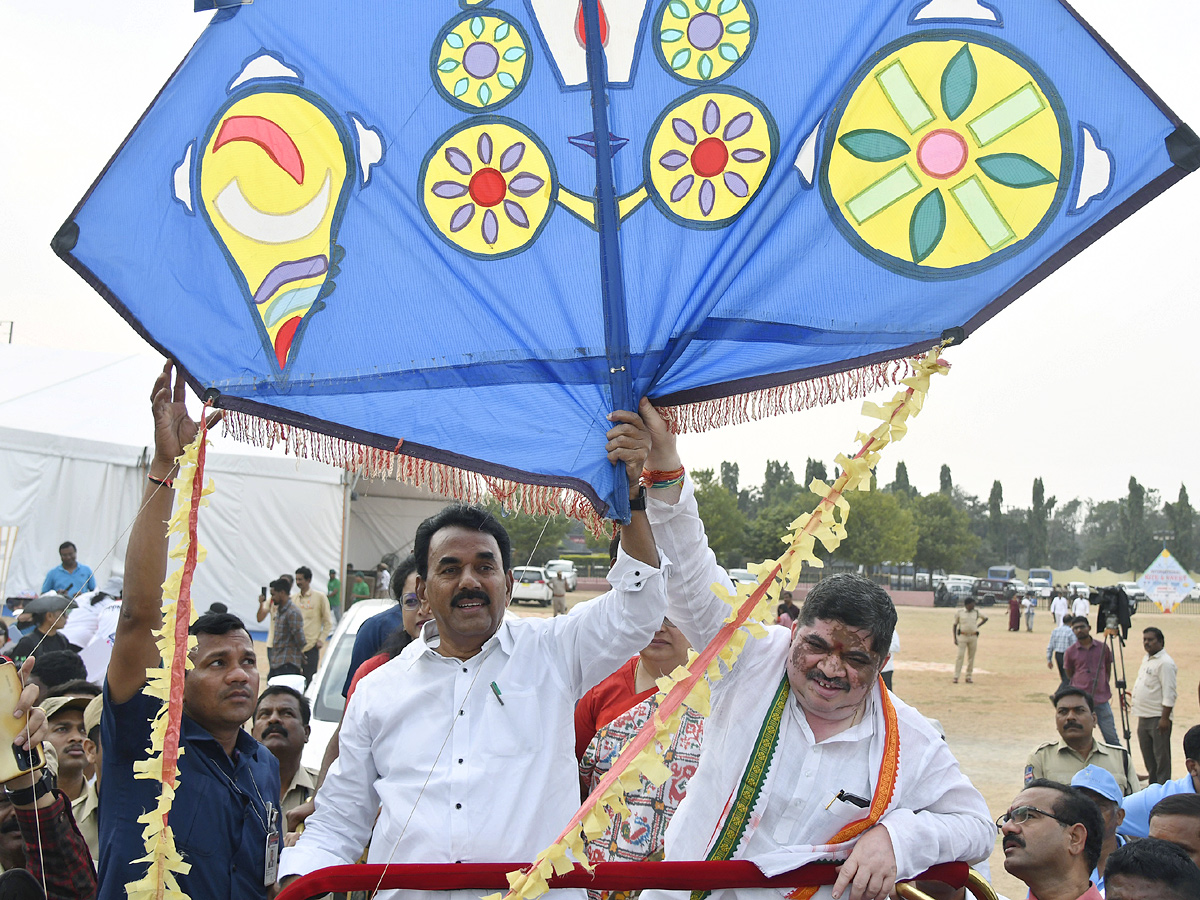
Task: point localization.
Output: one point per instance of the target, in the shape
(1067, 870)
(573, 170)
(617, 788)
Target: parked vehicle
(1078, 589)
(987, 591)
(1002, 573)
(531, 583)
(1045, 574)
(743, 576)
(1132, 590)
(325, 690)
(960, 589)
(1017, 585)
(570, 576)
(1041, 587)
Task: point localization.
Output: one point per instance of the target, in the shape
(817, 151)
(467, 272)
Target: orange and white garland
(751, 609)
(166, 683)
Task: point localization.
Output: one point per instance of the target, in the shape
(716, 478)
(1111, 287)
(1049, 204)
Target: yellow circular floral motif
(947, 153)
(704, 40)
(488, 187)
(708, 157)
(481, 61)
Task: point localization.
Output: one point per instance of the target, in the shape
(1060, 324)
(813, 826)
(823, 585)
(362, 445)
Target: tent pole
(349, 483)
(612, 283)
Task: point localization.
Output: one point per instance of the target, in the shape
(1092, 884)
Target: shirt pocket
(511, 728)
(196, 834)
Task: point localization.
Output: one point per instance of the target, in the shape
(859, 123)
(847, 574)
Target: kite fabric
(430, 237)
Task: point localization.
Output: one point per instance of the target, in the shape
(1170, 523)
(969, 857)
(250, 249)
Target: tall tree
(944, 538)
(901, 485)
(1037, 535)
(1063, 538)
(1140, 548)
(996, 518)
(945, 482)
(723, 521)
(813, 468)
(729, 477)
(779, 484)
(879, 530)
(534, 539)
(1182, 520)
(764, 534)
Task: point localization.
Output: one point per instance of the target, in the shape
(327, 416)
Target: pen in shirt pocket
(496, 691)
(846, 797)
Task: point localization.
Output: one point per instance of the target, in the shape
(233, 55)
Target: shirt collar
(192, 730)
(302, 779)
(428, 640)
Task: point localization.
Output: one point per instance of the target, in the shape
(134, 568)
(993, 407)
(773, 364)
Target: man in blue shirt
(72, 577)
(225, 816)
(1137, 806)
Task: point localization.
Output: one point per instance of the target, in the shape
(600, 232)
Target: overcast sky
(1086, 380)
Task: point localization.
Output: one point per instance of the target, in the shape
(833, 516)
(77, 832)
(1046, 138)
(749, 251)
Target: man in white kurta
(464, 743)
(934, 815)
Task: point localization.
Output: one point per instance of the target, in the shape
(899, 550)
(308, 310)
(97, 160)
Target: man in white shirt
(1152, 705)
(1081, 607)
(1058, 609)
(802, 755)
(464, 743)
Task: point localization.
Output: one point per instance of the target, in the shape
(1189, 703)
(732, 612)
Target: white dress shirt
(473, 760)
(936, 815)
(1058, 607)
(1081, 607)
(1155, 686)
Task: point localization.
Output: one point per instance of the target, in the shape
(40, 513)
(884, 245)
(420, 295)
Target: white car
(570, 576)
(325, 691)
(1078, 589)
(1132, 590)
(743, 576)
(531, 583)
(1042, 587)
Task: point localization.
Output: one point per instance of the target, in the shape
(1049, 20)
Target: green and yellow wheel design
(945, 153)
(702, 41)
(480, 60)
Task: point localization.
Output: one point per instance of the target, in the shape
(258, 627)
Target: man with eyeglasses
(1052, 836)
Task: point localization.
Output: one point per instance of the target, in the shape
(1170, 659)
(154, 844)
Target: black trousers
(311, 658)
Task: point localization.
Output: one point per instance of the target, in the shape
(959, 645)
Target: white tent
(75, 437)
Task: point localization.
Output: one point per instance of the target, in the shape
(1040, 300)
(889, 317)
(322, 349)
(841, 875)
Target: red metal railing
(683, 876)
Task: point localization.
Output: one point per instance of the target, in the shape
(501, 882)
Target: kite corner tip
(65, 238)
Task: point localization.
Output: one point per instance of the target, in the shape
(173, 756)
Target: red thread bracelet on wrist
(166, 482)
(653, 476)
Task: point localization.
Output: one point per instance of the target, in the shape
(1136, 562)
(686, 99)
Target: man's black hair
(74, 688)
(55, 667)
(1074, 807)
(1161, 862)
(217, 607)
(1157, 633)
(1070, 691)
(858, 602)
(400, 574)
(100, 597)
(460, 515)
(280, 585)
(217, 623)
(64, 545)
(1178, 805)
(305, 706)
(305, 571)
(1191, 743)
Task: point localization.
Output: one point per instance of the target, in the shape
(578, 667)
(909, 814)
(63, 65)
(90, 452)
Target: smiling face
(219, 692)
(466, 590)
(832, 668)
(1073, 719)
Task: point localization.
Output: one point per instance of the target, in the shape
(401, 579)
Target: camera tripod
(1115, 642)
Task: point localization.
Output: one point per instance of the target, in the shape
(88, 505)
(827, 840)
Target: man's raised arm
(134, 649)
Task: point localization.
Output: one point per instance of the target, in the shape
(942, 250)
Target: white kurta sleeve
(679, 533)
(346, 804)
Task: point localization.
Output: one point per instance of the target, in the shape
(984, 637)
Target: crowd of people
(470, 735)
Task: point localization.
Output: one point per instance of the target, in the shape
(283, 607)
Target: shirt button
(460, 762)
(637, 574)
(464, 670)
(462, 712)
(458, 806)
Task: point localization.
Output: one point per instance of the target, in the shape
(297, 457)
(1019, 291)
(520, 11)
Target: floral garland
(166, 683)
(690, 686)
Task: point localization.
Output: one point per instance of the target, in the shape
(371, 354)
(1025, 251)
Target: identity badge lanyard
(270, 824)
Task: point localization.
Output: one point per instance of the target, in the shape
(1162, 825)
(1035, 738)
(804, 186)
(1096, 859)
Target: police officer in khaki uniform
(1075, 719)
(967, 623)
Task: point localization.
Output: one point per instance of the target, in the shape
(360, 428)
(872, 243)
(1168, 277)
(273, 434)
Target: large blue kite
(454, 236)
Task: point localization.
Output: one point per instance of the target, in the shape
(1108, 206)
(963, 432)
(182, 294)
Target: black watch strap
(639, 502)
(26, 796)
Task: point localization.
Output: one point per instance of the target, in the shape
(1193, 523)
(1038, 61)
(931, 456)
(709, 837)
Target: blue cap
(1099, 780)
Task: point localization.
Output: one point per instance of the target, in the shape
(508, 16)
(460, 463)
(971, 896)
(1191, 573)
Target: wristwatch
(26, 796)
(638, 502)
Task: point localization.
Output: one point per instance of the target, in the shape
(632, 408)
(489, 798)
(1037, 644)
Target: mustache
(839, 683)
(1012, 841)
(11, 824)
(275, 729)
(469, 594)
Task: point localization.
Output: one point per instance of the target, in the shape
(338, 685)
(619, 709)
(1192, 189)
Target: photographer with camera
(1088, 665)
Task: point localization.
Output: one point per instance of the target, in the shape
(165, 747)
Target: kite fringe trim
(439, 478)
(641, 759)
(166, 683)
(705, 415)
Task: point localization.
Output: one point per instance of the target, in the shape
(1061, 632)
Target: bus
(1042, 573)
(1002, 573)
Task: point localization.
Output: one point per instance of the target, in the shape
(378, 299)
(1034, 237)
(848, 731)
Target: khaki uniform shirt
(86, 810)
(967, 621)
(301, 790)
(1058, 762)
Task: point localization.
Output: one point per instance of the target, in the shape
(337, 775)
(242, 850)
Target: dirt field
(993, 724)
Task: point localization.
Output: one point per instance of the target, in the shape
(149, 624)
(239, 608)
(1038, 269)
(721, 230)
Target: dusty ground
(993, 724)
